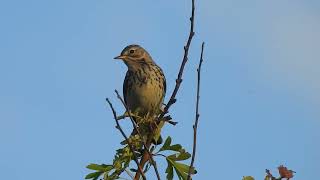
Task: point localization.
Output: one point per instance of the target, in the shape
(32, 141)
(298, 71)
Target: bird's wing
(164, 83)
(125, 86)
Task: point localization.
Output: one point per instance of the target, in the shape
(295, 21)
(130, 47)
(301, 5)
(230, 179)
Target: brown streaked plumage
(144, 86)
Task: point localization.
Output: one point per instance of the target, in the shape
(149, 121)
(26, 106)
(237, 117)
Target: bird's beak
(120, 57)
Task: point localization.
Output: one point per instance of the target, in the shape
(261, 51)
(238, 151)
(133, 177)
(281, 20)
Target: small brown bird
(144, 86)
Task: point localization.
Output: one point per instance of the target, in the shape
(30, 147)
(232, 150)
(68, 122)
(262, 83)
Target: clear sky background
(260, 89)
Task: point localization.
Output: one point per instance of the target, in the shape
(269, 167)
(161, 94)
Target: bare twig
(126, 138)
(173, 99)
(195, 126)
(146, 145)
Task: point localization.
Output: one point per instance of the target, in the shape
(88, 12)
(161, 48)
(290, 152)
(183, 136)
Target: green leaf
(181, 169)
(183, 156)
(184, 168)
(117, 165)
(247, 178)
(180, 156)
(176, 147)
(166, 144)
(113, 176)
(169, 171)
(102, 167)
(93, 176)
(180, 174)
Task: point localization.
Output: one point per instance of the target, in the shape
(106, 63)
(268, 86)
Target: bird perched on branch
(144, 86)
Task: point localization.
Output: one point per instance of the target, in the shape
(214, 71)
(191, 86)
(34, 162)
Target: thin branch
(126, 138)
(121, 117)
(146, 147)
(195, 126)
(173, 99)
(159, 154)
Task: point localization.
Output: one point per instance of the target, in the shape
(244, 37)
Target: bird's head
(133, 55)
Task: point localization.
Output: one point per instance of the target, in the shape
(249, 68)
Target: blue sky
(260, 87)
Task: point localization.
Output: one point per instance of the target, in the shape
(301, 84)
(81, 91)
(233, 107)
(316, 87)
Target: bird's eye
(131, 51)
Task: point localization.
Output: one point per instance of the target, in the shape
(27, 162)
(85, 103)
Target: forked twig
(126, 138)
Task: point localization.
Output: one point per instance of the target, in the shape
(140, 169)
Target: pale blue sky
(260, 88)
